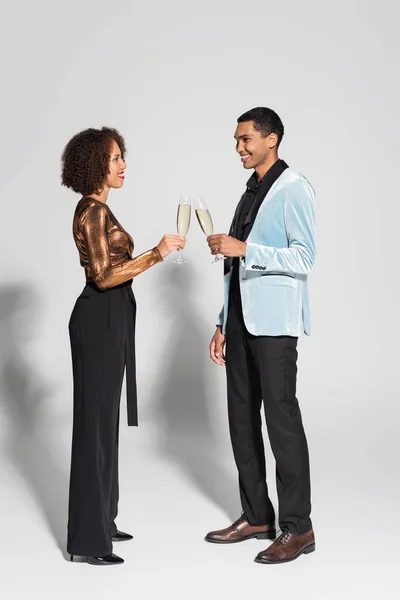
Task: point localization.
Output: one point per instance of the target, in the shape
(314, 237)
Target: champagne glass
(205, 221)
(183, 223)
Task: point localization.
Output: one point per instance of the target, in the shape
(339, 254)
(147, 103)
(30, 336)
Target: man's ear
(272, 140)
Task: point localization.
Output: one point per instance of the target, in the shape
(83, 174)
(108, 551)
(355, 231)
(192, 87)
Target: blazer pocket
(272, 279)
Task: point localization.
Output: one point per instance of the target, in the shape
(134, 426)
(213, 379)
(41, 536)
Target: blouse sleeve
(106, 275)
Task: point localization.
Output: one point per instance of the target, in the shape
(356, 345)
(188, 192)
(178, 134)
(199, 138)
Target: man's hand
(217, 347)
(220, 243)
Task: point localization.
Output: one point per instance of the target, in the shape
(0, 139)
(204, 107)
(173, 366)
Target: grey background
(173, 77)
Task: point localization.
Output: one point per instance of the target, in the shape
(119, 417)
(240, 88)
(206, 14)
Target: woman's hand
(169, 243)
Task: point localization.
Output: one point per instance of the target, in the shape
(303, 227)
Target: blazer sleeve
(220, 320)
(299, 221)
(106, 275)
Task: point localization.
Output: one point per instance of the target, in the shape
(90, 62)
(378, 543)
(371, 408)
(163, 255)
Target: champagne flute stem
(180, 260)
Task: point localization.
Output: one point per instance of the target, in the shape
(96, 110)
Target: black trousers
(101, 330)
(263, 369)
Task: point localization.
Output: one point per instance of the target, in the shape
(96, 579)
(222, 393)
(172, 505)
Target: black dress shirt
(245, 215)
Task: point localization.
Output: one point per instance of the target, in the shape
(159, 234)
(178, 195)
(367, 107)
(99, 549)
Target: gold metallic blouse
(105, 248)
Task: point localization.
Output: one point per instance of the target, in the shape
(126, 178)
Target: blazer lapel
(272, 176)
(268, 181)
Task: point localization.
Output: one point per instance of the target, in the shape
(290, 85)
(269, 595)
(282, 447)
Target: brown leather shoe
(287, 547)
(240, 531)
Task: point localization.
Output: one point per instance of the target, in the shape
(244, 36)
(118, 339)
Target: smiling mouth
(121, 175)
(244, 157)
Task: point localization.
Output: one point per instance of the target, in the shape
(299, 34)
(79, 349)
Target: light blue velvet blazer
(280, 253)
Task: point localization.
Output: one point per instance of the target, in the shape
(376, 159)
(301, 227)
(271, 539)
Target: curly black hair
(86, 158)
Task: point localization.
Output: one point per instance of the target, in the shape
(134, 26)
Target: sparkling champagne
(205, 221)
(183, 219)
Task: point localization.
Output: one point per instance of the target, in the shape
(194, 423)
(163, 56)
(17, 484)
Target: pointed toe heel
(121, 536)
(111, 559)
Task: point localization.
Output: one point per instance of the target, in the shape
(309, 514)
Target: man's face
(254, 149)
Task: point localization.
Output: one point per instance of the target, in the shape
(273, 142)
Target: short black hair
(265, 120)
(86, 159)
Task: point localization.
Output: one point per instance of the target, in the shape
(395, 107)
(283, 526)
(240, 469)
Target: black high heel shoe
(121, 536)
(111, 559)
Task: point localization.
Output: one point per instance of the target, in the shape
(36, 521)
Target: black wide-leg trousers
(101, 329)
(262, 369)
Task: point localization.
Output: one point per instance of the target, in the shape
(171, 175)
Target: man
(270, 250)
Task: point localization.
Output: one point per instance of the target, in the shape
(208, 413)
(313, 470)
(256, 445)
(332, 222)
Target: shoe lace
(284, 536)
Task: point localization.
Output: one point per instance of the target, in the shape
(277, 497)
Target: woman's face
(115, 178)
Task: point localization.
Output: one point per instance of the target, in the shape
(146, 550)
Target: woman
(102, 329)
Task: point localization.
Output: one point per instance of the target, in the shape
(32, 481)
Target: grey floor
(178, 481)
(169, 500)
